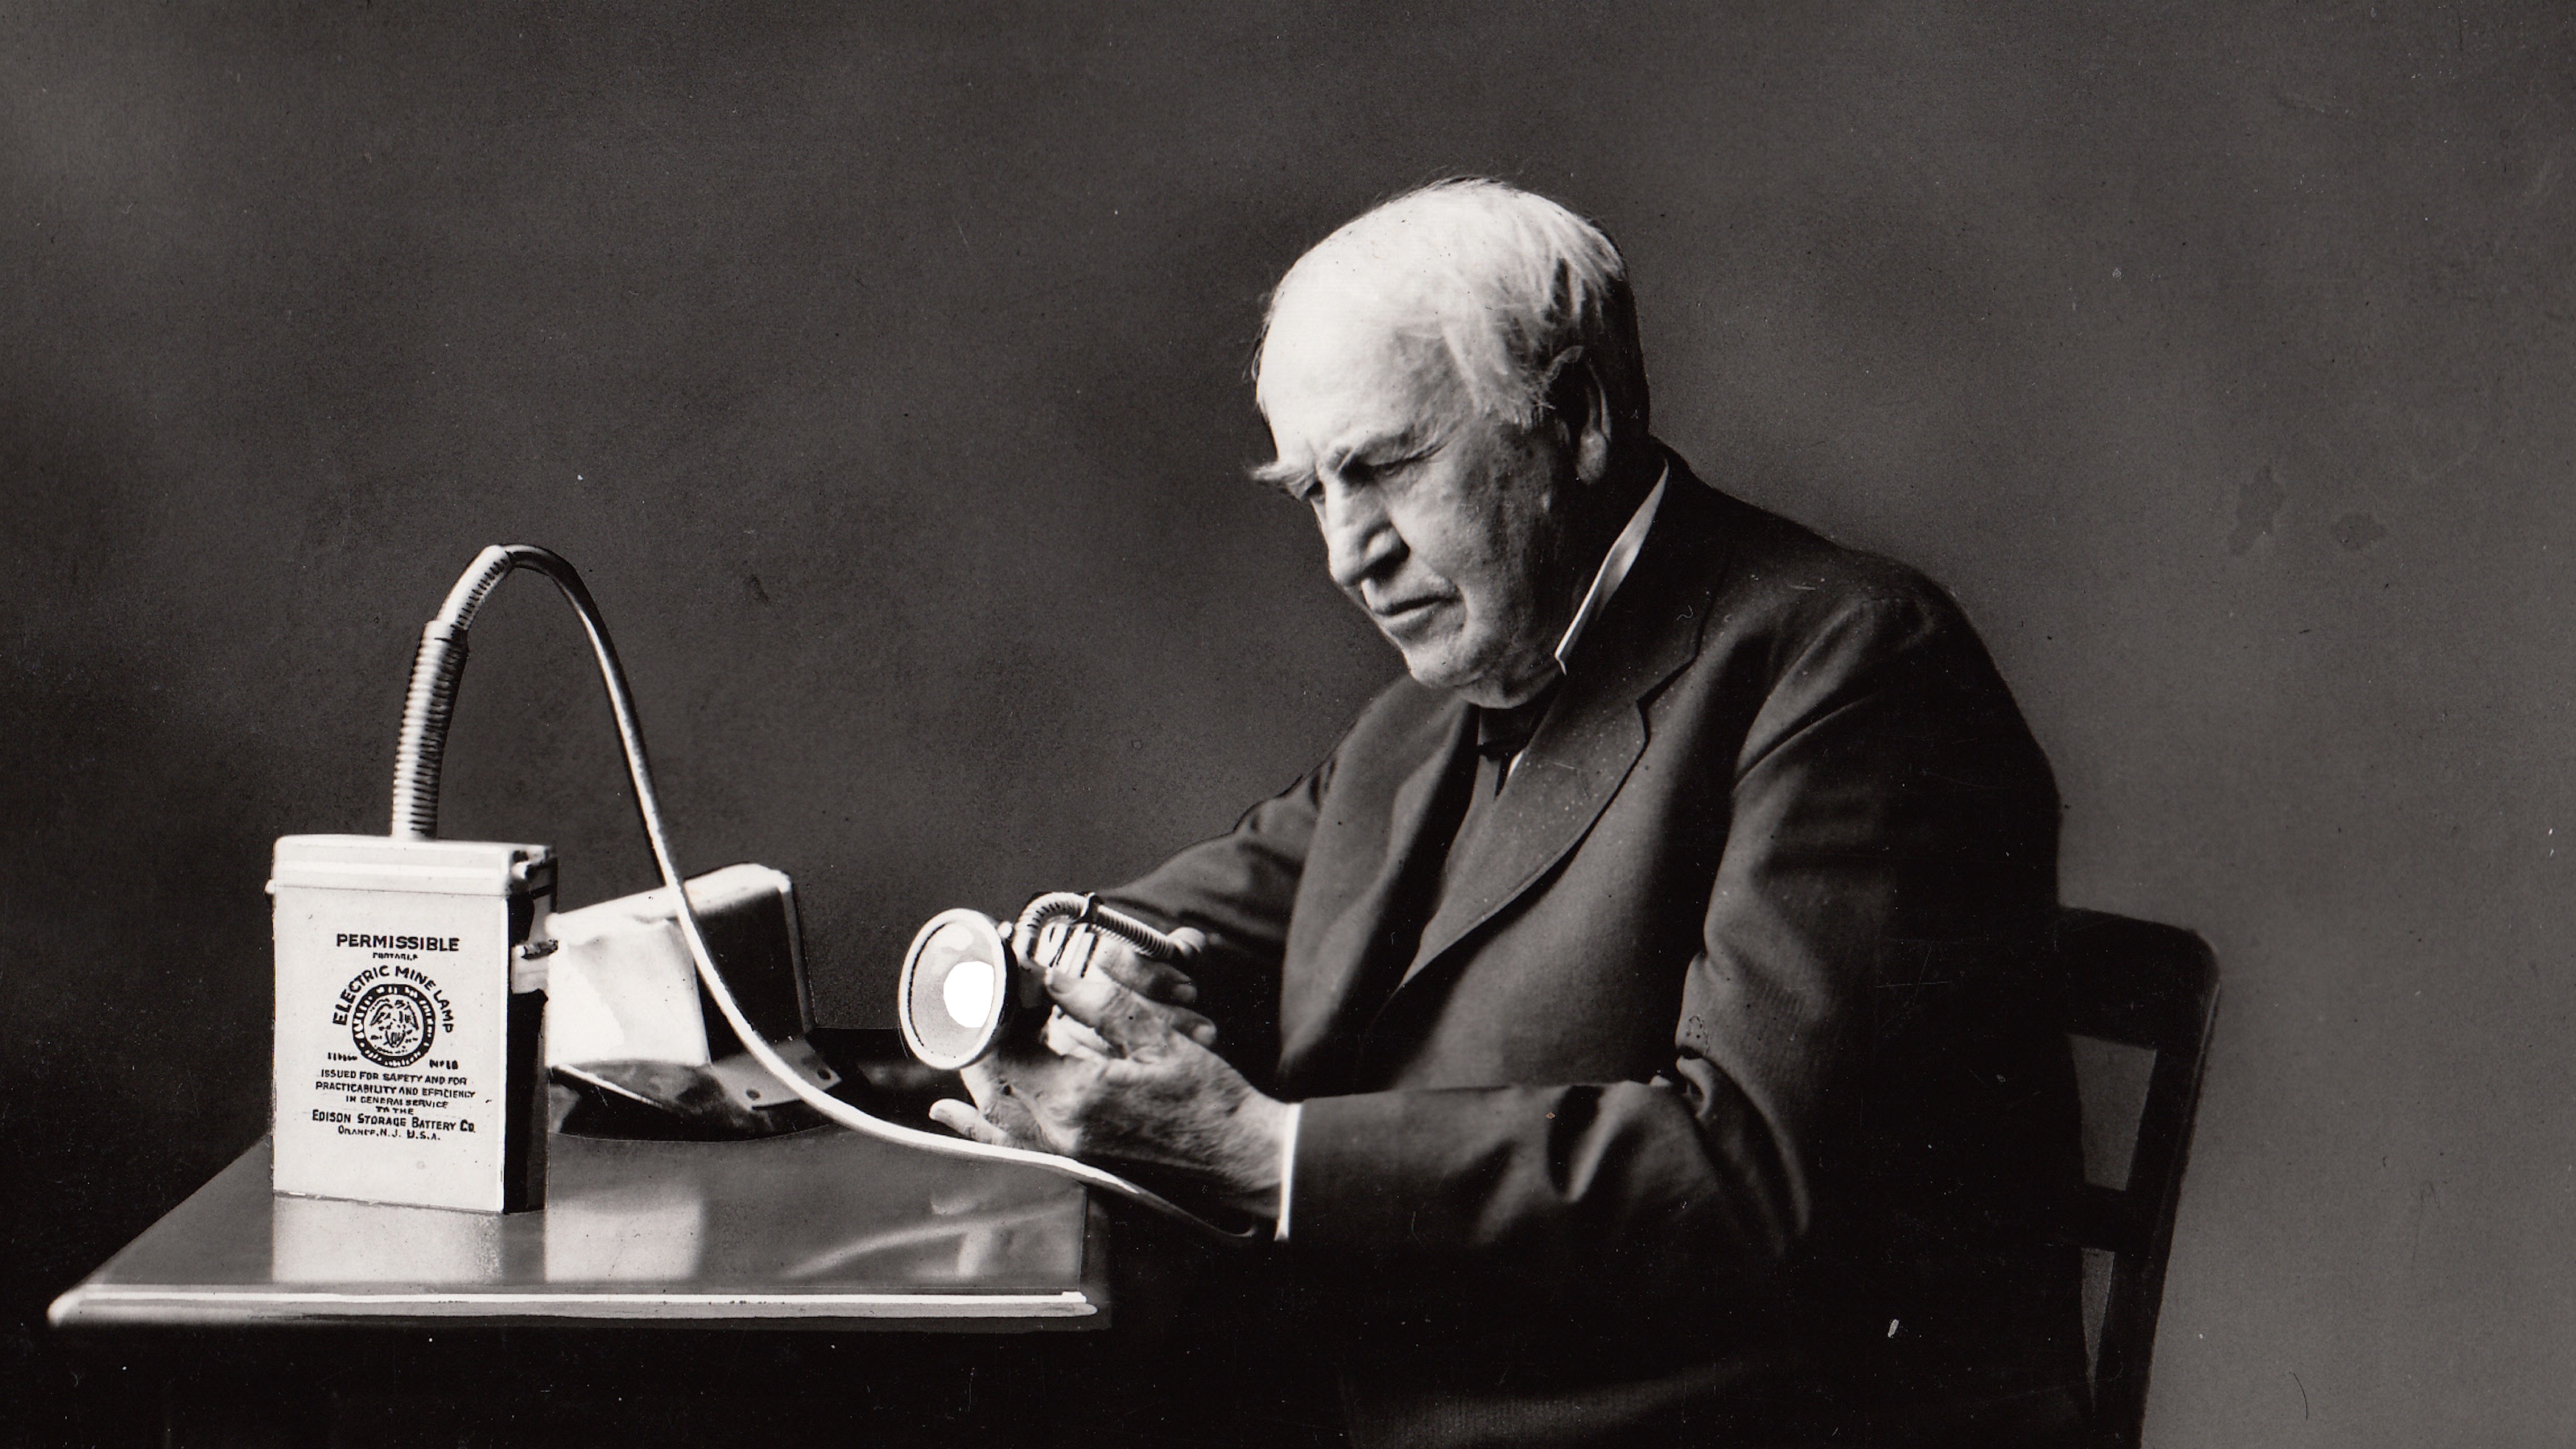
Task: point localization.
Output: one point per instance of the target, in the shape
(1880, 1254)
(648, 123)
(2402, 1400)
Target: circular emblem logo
(392, 1024)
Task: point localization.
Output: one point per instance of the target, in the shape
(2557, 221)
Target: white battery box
(409, 1063)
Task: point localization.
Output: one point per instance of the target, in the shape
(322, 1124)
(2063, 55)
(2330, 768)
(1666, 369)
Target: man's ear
(1572, 398)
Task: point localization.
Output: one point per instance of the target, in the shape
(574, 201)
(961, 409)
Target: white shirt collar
(1614, 570)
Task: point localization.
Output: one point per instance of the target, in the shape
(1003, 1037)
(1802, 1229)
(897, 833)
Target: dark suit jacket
(1712, 1103)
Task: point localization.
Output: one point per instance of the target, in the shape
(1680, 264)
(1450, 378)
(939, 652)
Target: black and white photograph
(1307, 726)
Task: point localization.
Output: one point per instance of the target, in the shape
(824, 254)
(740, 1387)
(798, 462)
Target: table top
(819, 1229)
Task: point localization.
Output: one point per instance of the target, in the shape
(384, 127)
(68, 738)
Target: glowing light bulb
(968, 992)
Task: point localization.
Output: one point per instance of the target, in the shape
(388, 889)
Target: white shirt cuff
(1288, 1169)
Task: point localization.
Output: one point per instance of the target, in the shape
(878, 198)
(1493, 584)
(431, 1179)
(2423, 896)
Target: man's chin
(1485, 682)
(1444, 670)
(1436, 670)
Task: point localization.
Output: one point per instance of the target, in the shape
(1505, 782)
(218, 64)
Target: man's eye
(1361, 472)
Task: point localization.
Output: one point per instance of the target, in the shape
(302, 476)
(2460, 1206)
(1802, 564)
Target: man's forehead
(1332, 363)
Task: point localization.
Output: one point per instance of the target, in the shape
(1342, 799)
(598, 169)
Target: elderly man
(1666, 1042)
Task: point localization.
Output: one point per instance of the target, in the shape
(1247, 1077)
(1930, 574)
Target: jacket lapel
(1372, 938)
(1593, 736)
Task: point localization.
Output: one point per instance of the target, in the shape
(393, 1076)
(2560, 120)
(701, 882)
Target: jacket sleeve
(1239, 888)
(1888, 853)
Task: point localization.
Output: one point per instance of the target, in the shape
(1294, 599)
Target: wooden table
(814, 1289)
(823, 1229)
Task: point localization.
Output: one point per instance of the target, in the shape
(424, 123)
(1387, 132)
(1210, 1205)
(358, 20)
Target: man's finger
(1067, 1037)
(1154, 980)
(1127, 1021)
(966, 1122)
(985, 1083)
(1007, 1123)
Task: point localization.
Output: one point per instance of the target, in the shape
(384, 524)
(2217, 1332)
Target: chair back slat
(2151, 986)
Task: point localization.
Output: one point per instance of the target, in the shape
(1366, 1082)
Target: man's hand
(1085, 950)
(1146, 1092)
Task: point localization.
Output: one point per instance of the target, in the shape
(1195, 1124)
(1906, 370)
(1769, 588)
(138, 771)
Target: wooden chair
(2141, 1001)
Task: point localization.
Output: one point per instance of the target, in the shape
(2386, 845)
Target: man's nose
(1360, 541)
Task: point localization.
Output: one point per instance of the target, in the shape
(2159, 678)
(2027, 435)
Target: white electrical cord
(436, 672)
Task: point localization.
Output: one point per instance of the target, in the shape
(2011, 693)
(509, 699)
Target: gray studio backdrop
(884, 375)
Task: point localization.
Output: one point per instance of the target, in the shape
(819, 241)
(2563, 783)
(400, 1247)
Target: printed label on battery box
(395, 1015)
(391, 1046)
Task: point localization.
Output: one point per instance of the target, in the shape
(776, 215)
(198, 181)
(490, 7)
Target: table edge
(90, 1304)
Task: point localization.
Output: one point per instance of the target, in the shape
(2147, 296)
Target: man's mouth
(1404, 614)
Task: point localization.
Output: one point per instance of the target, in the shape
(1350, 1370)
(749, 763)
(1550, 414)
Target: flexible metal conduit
(431, 700)
(1086, 910)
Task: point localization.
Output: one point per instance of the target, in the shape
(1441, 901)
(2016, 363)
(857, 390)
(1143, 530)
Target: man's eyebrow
(1384, 448)
(1281, 474)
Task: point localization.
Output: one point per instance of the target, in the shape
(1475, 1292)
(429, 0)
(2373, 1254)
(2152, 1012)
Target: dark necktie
(1501, 734)
(1457, 820)
(1504, 733)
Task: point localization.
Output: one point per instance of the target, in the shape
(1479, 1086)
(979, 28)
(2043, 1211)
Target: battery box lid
(436, 867)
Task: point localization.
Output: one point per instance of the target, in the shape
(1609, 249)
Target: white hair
(1503, 279)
